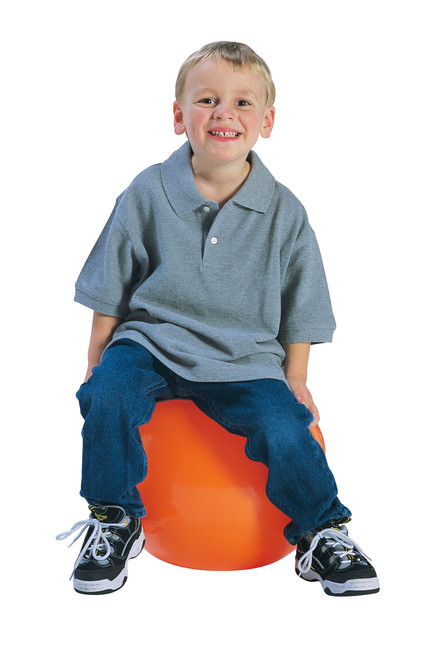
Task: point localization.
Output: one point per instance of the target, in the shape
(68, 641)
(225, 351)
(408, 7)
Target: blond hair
(238, 54)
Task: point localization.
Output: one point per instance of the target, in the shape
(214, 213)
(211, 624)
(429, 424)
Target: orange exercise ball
(205, 500)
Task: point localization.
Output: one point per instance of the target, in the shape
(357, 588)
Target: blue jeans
(121, 395)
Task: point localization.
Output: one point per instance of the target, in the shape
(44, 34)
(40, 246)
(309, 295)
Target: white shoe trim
(351, 585)
(106, 585)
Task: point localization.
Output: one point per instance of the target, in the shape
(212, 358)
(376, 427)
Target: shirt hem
(303, 335)
(101, 307)
(229, 376)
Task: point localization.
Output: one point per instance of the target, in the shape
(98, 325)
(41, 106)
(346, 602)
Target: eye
(207, 100)
(243, 103)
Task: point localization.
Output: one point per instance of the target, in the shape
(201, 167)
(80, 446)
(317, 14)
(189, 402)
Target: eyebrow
(239, 91)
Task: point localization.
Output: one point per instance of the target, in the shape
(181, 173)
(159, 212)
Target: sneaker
(328, 555)
(113, 538)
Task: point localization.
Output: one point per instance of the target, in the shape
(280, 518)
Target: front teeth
(225, 134)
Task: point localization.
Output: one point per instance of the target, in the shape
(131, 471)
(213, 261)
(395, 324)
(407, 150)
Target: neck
(219, 182)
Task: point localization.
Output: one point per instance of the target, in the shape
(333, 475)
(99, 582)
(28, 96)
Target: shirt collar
(184, 196)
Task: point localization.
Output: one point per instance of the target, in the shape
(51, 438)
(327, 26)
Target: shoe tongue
(108, 514)
(340, 528)
(342, 520)
(338, 525)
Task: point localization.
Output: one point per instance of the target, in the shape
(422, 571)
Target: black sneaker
(328, 555)
(112, 540)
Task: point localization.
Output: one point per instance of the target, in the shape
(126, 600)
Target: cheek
(197, 116)
(253, 124)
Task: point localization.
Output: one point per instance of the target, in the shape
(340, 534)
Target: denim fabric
(121, 395)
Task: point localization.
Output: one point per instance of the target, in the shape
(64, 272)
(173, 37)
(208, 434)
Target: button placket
(211, 251)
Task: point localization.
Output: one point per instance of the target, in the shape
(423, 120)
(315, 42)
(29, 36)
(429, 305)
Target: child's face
(223, 111)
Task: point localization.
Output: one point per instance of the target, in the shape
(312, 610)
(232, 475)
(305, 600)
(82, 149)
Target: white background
(87, 104)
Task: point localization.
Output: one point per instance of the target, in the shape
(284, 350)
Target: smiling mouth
(225, 134)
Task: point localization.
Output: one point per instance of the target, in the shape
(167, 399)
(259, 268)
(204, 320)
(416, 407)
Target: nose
(223, 111)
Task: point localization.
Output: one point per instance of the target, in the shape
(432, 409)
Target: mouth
(223, 134)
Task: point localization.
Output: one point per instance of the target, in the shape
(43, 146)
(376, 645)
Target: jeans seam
(157, 386)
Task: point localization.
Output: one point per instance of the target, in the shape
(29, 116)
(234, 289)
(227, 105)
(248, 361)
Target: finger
(316, 416)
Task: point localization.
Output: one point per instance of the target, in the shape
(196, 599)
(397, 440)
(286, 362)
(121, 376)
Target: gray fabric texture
(212, 293)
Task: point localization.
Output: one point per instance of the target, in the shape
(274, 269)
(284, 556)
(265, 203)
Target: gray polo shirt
(210, 292)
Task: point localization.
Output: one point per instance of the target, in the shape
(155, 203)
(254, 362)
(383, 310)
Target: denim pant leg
(118, 398)
(300, 482)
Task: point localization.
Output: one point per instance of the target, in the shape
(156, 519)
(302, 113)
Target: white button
(214, 240)
(206, 209)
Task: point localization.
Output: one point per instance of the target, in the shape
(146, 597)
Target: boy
(207, 283)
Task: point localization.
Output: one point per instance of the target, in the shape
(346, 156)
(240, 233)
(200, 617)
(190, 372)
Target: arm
(296, 371)
(103, 327)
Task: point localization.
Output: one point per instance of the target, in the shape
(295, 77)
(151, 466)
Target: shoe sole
(106, 586)
(352, 587)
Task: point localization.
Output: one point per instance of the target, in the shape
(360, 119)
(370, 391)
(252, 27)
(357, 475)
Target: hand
(303, 395)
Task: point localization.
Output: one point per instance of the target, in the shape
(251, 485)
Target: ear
(179, 127)
(268, 121)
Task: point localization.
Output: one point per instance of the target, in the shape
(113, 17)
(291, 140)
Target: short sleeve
(108, 276)
(306, 311)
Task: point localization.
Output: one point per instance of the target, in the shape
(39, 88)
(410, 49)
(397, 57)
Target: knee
(103, 389)
(125, 390)
(283, 410)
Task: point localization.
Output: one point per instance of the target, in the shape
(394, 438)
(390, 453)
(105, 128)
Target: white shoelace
(339, 538)
(97, 540)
